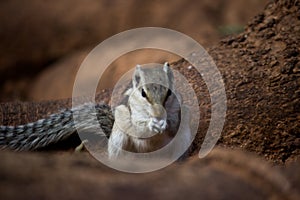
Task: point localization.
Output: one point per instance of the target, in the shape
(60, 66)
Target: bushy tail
(55, 128)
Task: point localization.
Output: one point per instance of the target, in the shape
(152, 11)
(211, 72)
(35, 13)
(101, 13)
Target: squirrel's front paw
(157, 125)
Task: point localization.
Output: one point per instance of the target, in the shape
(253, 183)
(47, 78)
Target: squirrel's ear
(166, 67)
(168, 70)
(136, 76)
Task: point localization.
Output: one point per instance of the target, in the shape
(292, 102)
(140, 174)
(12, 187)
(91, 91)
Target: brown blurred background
(42, 43)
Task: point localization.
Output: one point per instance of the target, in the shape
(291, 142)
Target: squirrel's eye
(169, 93)
(144, 93)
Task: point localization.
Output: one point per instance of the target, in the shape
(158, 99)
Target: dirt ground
(257, 156)
(260, 68)
(41, 46)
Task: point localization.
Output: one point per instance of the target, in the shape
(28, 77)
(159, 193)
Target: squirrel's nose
(158, 112)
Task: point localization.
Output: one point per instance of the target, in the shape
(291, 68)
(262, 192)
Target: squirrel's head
(152, 88)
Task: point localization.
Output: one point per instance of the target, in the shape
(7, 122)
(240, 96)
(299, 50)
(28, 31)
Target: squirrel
(148, 119)
(151, 115)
